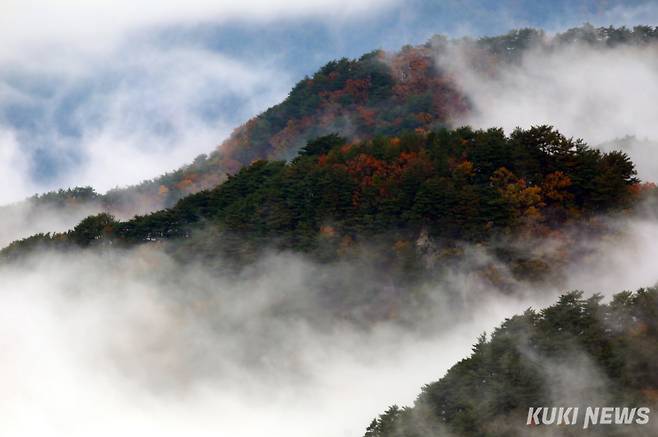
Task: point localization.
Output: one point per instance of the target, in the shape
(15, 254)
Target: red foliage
(642, 189)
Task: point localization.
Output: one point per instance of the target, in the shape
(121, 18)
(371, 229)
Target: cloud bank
(92, 25)
(132, 342)
(102, 94)
(599, 95)
(121, 118)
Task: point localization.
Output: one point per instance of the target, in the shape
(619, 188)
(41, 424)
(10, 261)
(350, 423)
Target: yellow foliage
(526, 200)
(555, 186)
(464, 168)
(502, 177)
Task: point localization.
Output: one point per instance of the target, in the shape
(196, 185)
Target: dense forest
(415, 196)
(606, 352)
(428, 240)
(363, 165)
(380, 93)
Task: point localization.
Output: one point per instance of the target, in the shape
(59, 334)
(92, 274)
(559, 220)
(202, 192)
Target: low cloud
(596, 94)
(13, 168)
(99, 93)
(100, 24)
(134, 342)
(131, 115)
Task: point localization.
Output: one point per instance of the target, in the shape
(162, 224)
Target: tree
(322, 145)
(92, 229)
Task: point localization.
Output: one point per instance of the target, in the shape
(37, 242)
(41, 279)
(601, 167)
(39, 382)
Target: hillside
(409, 201)
(380, 93)
(576, 353)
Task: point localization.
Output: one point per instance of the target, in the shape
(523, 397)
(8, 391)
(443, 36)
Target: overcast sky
(110, 92)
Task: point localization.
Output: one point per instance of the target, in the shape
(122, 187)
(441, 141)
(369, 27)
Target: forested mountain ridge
(589, 353)
(380, 93)
(420, 190)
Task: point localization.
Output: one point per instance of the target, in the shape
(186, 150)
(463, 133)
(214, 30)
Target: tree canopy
(488, 394)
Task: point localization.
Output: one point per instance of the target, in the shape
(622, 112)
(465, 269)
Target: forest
(614, 345)
(386, 240)
(396, 197)
(379, 94)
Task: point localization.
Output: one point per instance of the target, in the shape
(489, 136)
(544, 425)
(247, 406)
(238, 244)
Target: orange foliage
(345, 149)
(367, 115)
(527, 200)
(555, 187)
(365, 166)
(357, 88)
(465, 169)
(424, 117)
(286, 137)
(401, 246)
(327, 231)
(641, 189)
(369, 171)
(185, 183)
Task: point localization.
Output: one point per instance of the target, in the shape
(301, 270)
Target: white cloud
(629, 15)
(140, 104)
(140, 110)
(153, 121)
(131, 343)
(96, 23)
(598, 95)
(14, 181)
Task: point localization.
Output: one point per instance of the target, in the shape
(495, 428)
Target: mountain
(394, 183)
(576, 353)
(380, 93)
(362, 167)
(410, 202)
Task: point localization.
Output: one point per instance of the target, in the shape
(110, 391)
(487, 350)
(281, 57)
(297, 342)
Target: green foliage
(322, 145)
(378, 94)
(511, 372)
(66, 198)
(34, 244)
(93, 229)
(456, 185)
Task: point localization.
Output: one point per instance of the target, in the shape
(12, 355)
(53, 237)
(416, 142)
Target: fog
(23, 219)
(121, 117)
(110, 93)
(135, 343)
(597, 94)
(114, 344)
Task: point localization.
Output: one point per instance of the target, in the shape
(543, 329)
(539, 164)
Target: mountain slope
(576, 353)
(435, 190)
(379, 94)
